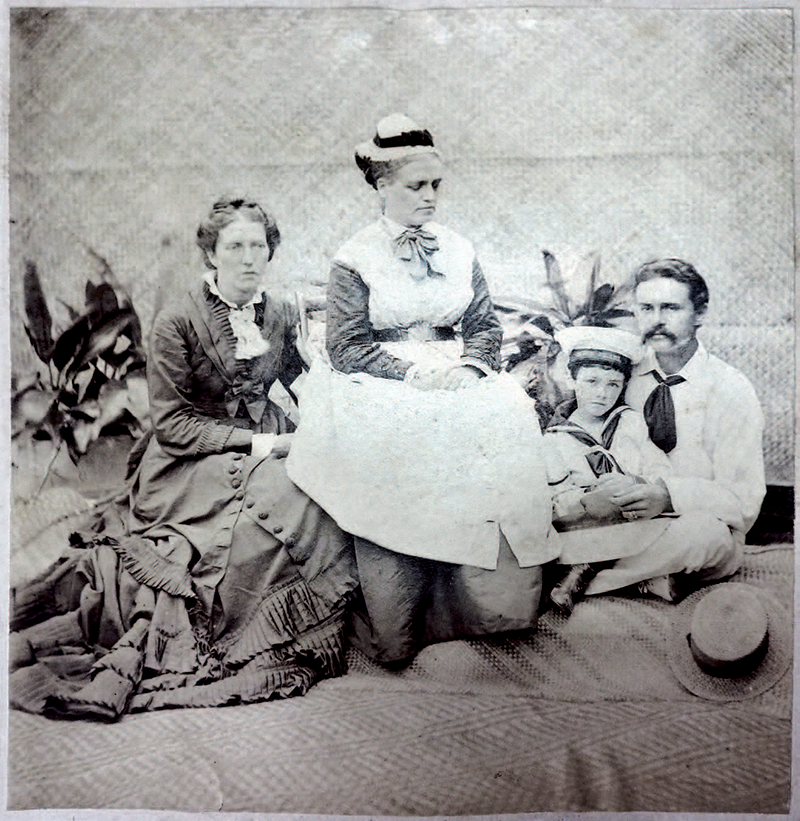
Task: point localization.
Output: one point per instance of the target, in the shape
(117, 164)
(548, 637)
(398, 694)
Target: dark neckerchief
(659, 411)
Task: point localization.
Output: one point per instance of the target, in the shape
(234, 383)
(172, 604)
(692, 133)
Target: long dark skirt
(409, 602)
(221, 583)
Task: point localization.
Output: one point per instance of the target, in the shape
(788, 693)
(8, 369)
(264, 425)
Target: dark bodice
(202, 399)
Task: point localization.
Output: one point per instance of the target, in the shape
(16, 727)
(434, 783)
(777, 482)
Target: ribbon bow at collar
(415, 243)
(599, 457)
(250, 391)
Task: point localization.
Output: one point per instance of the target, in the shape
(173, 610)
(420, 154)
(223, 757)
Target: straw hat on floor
(730, 642)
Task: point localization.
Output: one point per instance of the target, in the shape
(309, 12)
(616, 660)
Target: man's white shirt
(718, 463)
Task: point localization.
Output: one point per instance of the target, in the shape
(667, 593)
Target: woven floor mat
(611, 649)
(340, 751)
(585, 715)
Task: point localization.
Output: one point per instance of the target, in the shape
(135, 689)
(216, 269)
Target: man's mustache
(659, 332)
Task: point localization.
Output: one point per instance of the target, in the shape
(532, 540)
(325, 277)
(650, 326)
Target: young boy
(596, 441)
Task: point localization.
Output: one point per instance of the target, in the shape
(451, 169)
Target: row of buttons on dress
(225, 533)
(236, 469)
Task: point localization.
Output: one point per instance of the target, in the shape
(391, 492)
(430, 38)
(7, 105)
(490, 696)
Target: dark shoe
(569, 591)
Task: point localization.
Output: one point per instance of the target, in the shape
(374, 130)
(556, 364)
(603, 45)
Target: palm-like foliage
(576, 297)
(94, 374)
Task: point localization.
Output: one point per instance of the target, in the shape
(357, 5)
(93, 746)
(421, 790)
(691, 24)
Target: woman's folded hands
(449, 378)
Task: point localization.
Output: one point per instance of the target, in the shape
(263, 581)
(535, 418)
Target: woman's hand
(426, 378)
(282, 445)
(447, 379)
(271, 444)
(460, 377)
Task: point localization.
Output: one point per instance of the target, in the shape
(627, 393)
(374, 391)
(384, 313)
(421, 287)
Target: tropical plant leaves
(617, 313)
(70, 342)
(578, 297)
(39, 325)
(544, 323)
(556, 282)
(602, 296)
(108, 276)
(74, 315)
(134, 329)
(88, 365)
(100, 299)
(32, 407)
(595, 273)
(101, 338)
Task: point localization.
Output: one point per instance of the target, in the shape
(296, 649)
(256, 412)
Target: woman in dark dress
(218, 581)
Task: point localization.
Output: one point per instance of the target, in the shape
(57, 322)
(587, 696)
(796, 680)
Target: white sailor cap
(587, 344)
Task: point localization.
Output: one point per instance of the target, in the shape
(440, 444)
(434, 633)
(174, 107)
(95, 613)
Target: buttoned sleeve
(178, 427)
(350, 339)
(732, 439)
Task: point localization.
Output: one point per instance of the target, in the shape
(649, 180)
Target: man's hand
(643, 501)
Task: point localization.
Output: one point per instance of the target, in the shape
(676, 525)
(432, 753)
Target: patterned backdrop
(635, 133)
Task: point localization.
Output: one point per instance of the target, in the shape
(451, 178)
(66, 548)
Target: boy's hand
(612, 483)
(271, 444)
(600, 506)
(282, 445)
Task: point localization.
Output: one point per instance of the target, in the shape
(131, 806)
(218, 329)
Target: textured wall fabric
(636, 133)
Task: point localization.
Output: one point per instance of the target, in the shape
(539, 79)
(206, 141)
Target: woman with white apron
(413, 441)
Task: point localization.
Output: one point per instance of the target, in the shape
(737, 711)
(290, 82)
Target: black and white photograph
(401, 409)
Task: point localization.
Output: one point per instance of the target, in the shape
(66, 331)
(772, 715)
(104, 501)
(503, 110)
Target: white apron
(426, 473)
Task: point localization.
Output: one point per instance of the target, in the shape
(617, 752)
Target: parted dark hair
(680, 271)
(227, 210)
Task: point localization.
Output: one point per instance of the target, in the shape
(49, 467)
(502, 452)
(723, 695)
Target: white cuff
(262, 444)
